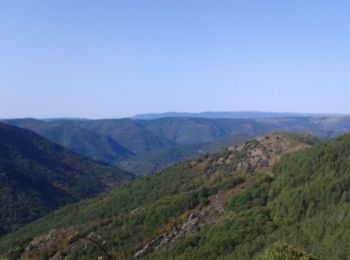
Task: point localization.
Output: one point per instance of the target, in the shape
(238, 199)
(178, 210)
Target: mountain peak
(260, 152)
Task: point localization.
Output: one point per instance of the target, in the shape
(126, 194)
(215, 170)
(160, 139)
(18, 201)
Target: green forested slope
(306, 204)
(164, 207)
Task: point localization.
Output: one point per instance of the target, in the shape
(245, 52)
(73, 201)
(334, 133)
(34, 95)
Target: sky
(111, 59)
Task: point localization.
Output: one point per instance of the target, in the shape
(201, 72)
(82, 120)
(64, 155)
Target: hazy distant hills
(147, 146)
(37, 176)
(234, 115)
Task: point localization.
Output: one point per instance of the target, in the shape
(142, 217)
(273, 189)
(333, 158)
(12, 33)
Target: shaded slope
(37, 176)
(83, 141)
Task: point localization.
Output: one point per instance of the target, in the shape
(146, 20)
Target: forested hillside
(189, 210)
(37, 176)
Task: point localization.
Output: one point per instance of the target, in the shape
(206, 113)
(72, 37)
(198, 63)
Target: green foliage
(229, 183)
(283, 251)
(256, 196)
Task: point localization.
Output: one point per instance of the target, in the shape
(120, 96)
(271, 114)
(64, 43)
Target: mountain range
(147, 146)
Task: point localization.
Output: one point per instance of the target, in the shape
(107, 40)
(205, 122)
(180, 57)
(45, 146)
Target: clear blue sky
(106, 59)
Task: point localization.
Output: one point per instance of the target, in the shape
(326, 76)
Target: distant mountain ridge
(226, 114)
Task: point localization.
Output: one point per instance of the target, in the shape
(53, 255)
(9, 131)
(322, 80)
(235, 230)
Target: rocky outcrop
(48, 243)
(208, 215)
(262, 152)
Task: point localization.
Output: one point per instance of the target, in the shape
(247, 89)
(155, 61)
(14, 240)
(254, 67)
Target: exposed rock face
(47, 243)
(210, 214)
(45, 240)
